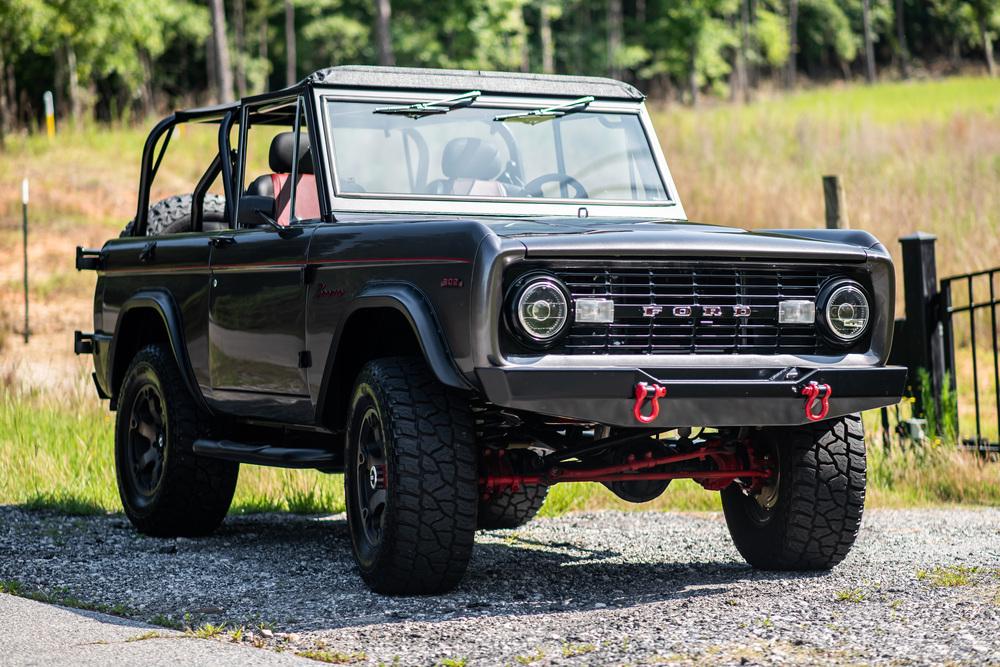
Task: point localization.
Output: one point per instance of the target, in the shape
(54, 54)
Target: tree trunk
(240, 25)
(75, 103)
(984, 35)
(793, 41)
(545, 36)
(12, 106)
(615, 37)
(742, 60)
(383, 32)
(210, 69)
(146, 91)
(525, 42)
(693, 75)
(866, 19)
(262, 44)
(220, 44)
(3, 100)
(902, 48)
(291, 59)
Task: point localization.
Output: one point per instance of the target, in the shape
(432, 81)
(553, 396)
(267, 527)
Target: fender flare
(163, 304)
(409, 301)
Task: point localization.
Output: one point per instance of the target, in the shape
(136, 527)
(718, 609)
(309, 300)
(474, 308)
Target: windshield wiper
(546, 113)
(421, 109)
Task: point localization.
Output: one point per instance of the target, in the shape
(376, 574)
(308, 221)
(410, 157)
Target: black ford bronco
(460, 288)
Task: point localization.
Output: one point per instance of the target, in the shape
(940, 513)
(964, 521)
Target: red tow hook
(812, 392)
(652, 391)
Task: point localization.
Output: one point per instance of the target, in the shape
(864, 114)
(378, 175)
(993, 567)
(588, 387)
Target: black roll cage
(226, 115)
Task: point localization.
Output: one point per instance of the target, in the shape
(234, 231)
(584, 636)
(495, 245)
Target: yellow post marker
(50, 114)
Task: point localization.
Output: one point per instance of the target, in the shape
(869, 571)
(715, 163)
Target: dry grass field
(912, 156)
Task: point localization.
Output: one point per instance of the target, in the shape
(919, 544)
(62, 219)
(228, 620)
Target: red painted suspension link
(630, 471)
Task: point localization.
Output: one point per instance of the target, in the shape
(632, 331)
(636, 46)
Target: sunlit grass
(911, 156)
(56, 452)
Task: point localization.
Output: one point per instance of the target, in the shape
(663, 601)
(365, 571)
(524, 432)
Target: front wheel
(807, 516)
(410, 479)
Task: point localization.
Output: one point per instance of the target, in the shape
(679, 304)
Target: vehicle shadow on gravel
(297, 572)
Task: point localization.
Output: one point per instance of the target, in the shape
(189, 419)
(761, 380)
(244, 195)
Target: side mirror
(256, 211)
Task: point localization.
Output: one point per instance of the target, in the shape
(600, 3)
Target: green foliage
(825, 32)
(940, 411)
(133, 56)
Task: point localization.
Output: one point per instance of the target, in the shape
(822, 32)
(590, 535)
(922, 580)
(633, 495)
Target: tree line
(114, 59)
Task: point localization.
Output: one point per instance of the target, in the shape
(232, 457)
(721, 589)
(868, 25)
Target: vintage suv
(460, 288)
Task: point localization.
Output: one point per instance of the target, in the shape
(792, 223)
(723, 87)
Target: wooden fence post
(836, 207)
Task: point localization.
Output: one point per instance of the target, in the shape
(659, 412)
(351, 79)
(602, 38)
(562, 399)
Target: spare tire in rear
(173, 215)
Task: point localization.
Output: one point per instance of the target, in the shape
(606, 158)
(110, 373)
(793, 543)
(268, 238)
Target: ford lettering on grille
(664, 307)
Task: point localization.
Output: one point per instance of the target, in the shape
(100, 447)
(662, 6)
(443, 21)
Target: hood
(575, 237)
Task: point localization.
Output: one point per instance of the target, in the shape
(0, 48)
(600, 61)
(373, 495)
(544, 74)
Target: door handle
(147, 252)
(222, 241)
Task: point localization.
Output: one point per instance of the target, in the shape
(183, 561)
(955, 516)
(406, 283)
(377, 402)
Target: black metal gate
(948, 340)
(975, 292)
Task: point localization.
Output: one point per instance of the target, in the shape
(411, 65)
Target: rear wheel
(511, 509)
(410, 479)
(807, 517)
(166, 489)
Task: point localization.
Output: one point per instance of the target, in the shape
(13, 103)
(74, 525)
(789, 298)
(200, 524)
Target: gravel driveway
(921, 586)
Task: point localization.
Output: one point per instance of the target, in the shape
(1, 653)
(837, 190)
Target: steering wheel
(533, 188)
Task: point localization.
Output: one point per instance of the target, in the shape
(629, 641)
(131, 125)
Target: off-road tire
(193, 493)
(428, 516)
(511, 509)
(173, 215)
(814, 521)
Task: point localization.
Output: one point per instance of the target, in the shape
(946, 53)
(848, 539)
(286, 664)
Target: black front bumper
(694, 397)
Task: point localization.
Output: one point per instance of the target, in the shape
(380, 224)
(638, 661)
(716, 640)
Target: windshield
(485, 152)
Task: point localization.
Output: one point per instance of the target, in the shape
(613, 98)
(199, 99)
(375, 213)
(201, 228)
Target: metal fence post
(924, 328)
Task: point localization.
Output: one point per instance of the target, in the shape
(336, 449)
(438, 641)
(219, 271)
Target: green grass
(207, 631)
(63, 598)
(572, 650)
(915, 155)
(333, 657)
(949, 576)
(61, 449)
(849, 595)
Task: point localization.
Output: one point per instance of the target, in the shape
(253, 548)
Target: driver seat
(471, 167)
(279, 183)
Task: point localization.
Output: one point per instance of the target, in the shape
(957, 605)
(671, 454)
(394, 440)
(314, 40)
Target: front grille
(694, 308)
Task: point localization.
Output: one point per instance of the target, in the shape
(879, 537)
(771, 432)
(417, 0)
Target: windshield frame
(481, 205)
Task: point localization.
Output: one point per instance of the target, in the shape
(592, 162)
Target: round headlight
(846, 312)
(541, 309)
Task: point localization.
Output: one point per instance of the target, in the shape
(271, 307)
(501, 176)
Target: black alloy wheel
(370, 480)
(146, 451)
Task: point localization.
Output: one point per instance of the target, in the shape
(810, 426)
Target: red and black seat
(279, 183)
